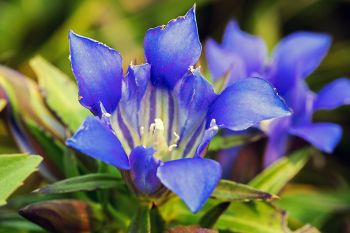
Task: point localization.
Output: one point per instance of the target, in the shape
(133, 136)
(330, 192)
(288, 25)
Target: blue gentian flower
(242, 55)
(155, 123)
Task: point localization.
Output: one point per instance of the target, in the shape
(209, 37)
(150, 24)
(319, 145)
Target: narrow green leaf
(27, 103)
(211, 216)
(70, 164)
(61, 93)
(220, 143)
(52, 149)
(275, 177)
(141, 223)
(82, 183)
(313, 205)
(228, 191)
(253, 217)
(157, 221)
(14, 169)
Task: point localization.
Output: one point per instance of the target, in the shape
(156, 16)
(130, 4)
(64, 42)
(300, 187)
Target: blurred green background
(31, 27)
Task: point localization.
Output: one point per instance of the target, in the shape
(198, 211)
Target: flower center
(155, 137)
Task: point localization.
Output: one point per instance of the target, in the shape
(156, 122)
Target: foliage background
(40, 27)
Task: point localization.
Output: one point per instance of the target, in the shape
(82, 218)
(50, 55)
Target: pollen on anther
(106, 114)
(177, 137)
(172, 147)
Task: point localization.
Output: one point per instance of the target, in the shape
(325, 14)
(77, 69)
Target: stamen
(172, 147)
(142, 135)
(106, 114)
(177, 138)
(265, 124)
(151, 128)
(156, 138)
(159, 126)
(213, 125)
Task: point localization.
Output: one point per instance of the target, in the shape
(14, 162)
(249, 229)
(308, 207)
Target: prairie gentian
(155, 123)
(242, 55)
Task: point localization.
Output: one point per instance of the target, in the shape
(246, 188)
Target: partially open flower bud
(62, 216)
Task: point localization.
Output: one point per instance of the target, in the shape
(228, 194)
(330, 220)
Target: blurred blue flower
(156, 122)
(242, 55)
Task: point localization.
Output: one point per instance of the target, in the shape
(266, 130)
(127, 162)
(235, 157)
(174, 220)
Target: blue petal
(98, 70)
(143, 170)
(136, 81)
(333, 95)
(172, 49)
(251, 49)
(193, 180)
(209, 134)
(246, 103)
(134, 88)
(300, 98)
(297, 56)
(324, 136)
(98, 141)
(222, 62)
(277, 142)
(195, 94)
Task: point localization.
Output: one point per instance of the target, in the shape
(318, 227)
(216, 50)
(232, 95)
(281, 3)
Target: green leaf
(275, 177)
(51, 149)
(228, 191)
(157, 221)
(220, 143)
(14, 169)
(313, 205)
(141, 223)
(211, 216)
(253, 217)
(88, 182)
(60, 93)
(27, 104)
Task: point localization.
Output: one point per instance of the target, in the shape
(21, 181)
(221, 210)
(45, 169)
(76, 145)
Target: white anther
(152, 127)
(159, 126)
(177, 137)
(213, 125)
(142, 130)
(172, 147)
(265, 125)
(106, 114)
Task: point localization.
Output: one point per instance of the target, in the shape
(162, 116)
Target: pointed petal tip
(183, 176)
(333, 95)
(247, 102)
(192, 11)
(324, 136)
(72, 36)
(94, 139)
(97, 68)
(172, 48)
